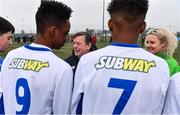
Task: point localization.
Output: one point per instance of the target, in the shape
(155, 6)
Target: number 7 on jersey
(128, 86)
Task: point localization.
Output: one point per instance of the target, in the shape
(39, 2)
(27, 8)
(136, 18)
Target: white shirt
(172, 103)
(120, 79)
(35, 81)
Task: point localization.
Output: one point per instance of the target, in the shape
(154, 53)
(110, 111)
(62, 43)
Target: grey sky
(88, 14)
(164, 13)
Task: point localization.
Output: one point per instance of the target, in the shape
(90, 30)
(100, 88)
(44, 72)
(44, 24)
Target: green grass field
(63, 53)
(67, 49)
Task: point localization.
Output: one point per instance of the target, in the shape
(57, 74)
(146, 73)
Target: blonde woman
(163, 43)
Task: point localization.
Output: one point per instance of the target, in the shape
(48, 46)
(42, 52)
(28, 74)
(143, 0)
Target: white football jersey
(120, 79)
(36, 81)
(172, 103)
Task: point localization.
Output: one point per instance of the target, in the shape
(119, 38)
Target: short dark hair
(5, 26)
(88, 38)
(128, 10)
(51, 12)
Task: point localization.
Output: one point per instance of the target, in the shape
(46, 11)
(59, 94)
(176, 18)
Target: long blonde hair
(167, 37)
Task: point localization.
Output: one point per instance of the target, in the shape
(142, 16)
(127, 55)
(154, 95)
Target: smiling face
(80, 46)
(5, 41)
(153, 44)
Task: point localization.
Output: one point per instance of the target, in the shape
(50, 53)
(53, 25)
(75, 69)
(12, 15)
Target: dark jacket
(72, 61)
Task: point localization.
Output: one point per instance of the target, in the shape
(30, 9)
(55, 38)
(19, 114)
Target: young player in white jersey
(172, 103)
(121, 78)
(36, 81)
(6, 33)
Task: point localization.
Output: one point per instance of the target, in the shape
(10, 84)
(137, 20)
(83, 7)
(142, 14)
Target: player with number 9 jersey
(36, 83)
(34, 79)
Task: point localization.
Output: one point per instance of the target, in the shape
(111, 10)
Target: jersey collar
(125, 45)
(37, 47)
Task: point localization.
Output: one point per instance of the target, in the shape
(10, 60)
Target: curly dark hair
(51, 12)
(5, 26)
(128, 10)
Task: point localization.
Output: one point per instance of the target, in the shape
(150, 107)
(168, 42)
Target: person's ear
(143, 27)
(164, 45)
(52, 31)
(110, 25)
(89, 46)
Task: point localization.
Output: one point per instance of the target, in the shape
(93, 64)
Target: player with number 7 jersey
(121, 78)
(114, 84)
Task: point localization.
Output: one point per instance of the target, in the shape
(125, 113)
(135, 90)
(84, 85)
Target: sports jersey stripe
(36, 48)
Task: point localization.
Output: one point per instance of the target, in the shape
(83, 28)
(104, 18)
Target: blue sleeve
(79, 107)
(1, 97)
(1, 106)
(1, 61)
